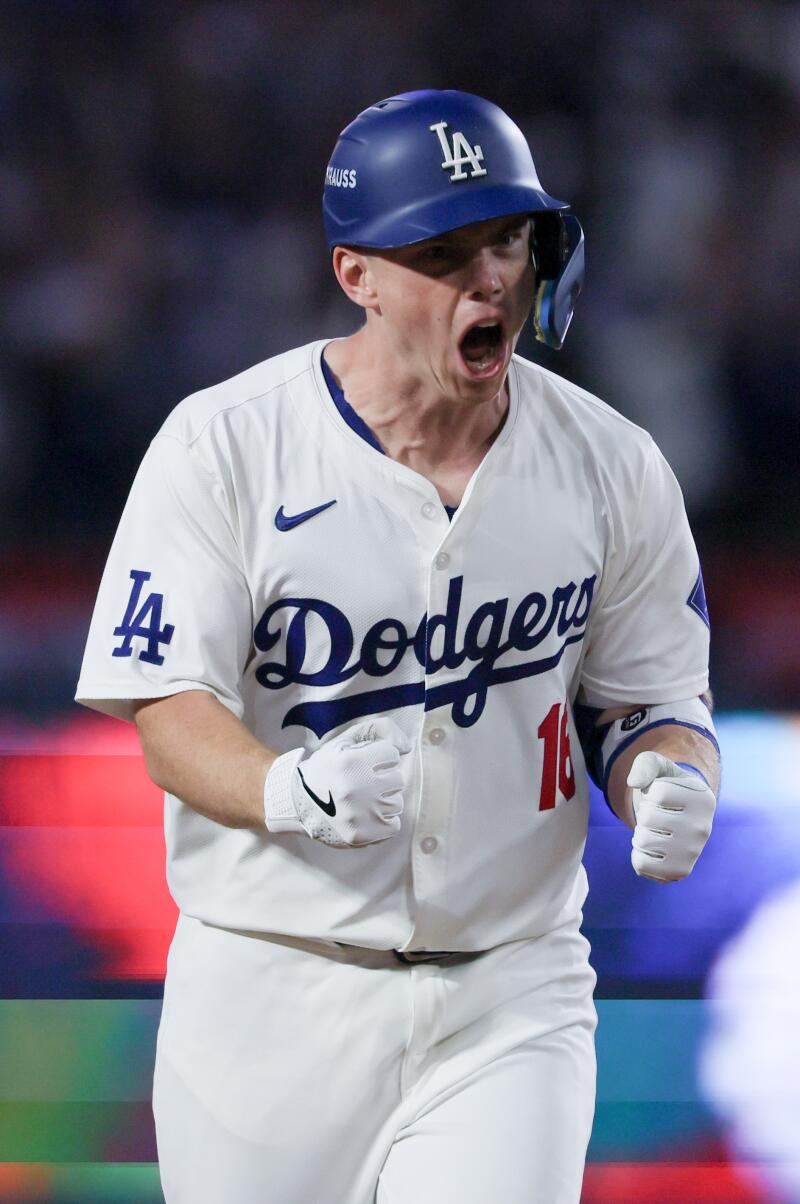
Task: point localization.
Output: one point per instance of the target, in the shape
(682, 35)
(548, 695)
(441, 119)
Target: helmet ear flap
(558, 254)
(546, 241)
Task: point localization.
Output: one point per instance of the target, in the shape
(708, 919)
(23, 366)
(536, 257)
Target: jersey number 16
(557, 769)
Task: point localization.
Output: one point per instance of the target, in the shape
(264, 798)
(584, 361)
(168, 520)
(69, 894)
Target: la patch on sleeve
(142, 620)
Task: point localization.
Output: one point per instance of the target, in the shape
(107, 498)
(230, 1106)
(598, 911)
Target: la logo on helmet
(460, 153)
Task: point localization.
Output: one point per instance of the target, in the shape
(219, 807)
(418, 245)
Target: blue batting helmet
(421, 163)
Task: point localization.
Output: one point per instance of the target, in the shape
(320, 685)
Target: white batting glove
(348, 793)
(674, 809)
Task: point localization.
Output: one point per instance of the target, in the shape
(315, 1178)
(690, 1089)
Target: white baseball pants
(284, 1076)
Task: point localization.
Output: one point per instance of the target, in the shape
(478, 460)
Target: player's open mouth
(483, 349)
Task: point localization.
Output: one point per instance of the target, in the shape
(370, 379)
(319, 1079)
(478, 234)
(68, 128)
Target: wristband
(279, 810)
(692, 713)
(694, 769)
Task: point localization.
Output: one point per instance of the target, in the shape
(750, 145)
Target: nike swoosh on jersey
(285, 522)
(329, 808)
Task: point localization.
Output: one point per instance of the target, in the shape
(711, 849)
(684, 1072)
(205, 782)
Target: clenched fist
(674, 808)
(348, 793)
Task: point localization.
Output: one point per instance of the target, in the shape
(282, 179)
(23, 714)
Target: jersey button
(436, 735)
(429, 510)
(442, 560)
(429, 844)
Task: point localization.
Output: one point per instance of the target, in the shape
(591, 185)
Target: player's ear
(352, 270)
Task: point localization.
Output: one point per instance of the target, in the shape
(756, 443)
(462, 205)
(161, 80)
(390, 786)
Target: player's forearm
(197, 750)
(679, 744)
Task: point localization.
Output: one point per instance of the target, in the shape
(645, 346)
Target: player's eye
(435, 253)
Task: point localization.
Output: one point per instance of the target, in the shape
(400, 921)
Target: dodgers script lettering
(488, 636)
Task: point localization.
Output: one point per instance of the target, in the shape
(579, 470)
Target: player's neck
(414, 423)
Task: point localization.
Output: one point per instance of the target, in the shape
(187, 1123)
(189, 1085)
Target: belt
(426, 955)
(361, 955)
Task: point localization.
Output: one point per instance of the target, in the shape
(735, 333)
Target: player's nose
(484, 279)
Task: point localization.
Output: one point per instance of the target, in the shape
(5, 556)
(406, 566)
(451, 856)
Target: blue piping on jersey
(354, 420)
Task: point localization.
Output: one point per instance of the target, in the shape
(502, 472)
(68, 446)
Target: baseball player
(376, 605)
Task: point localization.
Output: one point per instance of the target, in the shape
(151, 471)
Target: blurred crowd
(161, 169)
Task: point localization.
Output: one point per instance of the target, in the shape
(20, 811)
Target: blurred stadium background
(160, 173)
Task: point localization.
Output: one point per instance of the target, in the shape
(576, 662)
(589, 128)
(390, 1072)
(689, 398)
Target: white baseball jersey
(271, 556)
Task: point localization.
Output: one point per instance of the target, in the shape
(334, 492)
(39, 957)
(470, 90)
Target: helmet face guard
(558, 255)
(420, 164)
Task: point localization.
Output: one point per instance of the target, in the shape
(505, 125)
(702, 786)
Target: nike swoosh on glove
(347, 793)
(674, 809)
